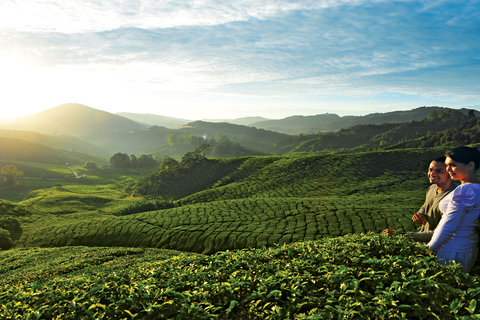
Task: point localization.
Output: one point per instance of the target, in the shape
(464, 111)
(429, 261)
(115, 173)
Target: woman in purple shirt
(456, 237)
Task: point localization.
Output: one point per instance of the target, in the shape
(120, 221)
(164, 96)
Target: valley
(279, 227)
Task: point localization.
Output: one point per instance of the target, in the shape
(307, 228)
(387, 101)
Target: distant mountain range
(84, 129)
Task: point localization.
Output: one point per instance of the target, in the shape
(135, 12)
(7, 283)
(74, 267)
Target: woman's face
(457, 170)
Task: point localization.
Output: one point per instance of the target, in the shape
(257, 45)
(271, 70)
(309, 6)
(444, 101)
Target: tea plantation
(258, 201)
(271, 237)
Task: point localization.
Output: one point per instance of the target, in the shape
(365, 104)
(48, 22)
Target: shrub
(351, 277)
(5, 240)
(146, 205)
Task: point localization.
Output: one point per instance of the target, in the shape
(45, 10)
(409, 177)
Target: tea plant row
(231, 224)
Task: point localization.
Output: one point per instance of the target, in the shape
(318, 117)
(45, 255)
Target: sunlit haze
(230, 59)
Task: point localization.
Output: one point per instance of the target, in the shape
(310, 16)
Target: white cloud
(93, 16)
(213, 52)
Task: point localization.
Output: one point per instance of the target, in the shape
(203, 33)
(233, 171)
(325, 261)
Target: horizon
(7, 120)
(237, 59)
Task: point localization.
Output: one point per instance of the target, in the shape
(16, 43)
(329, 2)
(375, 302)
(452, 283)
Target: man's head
(437, 173)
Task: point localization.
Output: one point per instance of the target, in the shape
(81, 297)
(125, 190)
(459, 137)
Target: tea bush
(145, 205)
(349, 277)
(231, 224)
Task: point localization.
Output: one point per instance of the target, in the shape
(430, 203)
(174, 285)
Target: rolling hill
(271, 237)
(250, 202)
(332, 122)
(20, 150)
(99, 133)
(75, 119)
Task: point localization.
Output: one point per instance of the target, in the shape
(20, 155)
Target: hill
(246, 121)
(75, 119)
(332, 122)
(385, 136)
(154, 119)
(251, 202)
(20, 150)
(259, 140)
(465, 133)
(66, 142)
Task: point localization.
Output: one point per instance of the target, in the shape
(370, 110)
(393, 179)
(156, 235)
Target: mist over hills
(88, 130)
(154, 119)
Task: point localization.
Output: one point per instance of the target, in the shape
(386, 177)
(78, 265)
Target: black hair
(440, 159)
(465, 155)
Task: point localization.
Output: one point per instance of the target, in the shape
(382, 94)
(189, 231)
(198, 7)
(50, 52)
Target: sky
(226, 59)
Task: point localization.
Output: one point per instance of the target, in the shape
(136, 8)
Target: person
(456, 237)
(429, 214)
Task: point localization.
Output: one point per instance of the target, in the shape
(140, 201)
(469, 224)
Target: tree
(147, 161)
(203, 149)
(168, 163)
(5, 240)
(133, 161)
(90, 165)
(172, 139)
(10, 172)
(120, 161)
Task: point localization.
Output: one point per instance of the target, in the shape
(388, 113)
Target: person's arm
(420, 236)
(462, 200)
(419, 217)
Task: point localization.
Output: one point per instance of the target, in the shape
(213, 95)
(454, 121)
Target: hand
(419, 218)
(390, 232)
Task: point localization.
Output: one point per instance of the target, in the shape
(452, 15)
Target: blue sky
(205, 59)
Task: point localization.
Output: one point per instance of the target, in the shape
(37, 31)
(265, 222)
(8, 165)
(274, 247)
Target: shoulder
(468, 188)
(467, 192)
(432, 188)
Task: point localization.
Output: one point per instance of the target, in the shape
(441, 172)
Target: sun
(22, 86)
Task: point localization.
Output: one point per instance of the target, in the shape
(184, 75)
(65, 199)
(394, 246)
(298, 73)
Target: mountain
(299, 124)
(332, 122)
(75, 119)
(260, 140)
(56, 141)
(246, 121)
(154, 119)
(364, 137)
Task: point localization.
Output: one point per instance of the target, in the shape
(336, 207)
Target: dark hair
(440, 159)
(464, 155)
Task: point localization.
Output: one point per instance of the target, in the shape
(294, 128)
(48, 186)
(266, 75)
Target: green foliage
(39, 265)
(8, 208)
(357, 277)
(124, 161)
(5, 239)
(12, 226)
(466, 133)
(231, 224)
(10, 172)
(90, 165)
(175, 180)
(369, 136)
(120, 161)
(145, 205)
